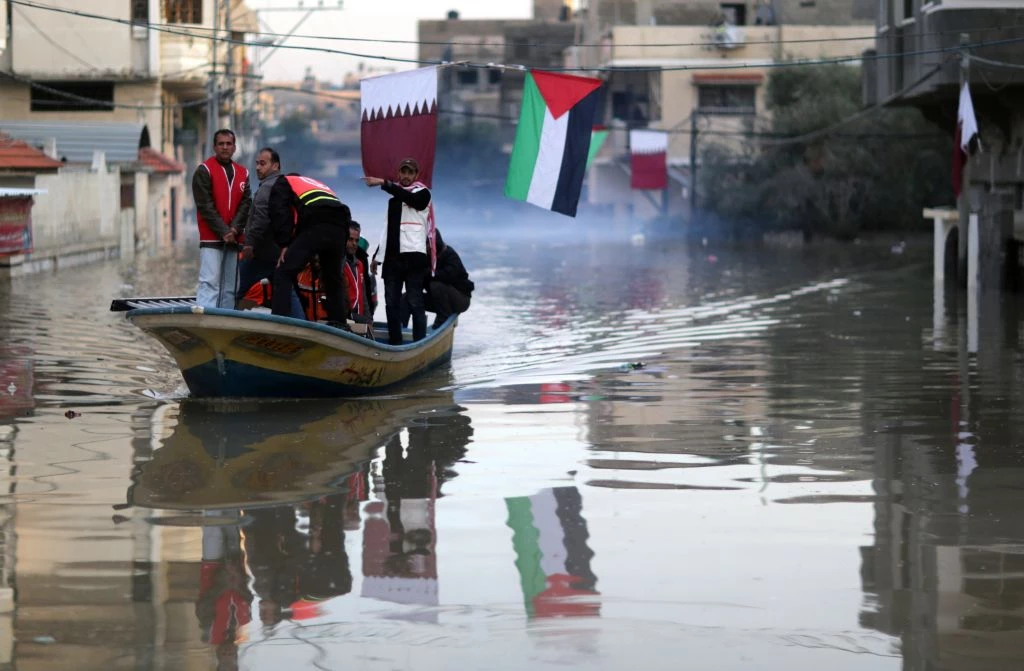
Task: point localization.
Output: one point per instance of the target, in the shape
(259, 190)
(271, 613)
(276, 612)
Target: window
(734, 13)
(468, 76)
(908, 9)
(726, 99)
(520, 48)
(72, 97)
(183, 11)
(494, 76)
(140, 11)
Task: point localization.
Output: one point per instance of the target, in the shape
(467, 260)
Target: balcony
(184, 63)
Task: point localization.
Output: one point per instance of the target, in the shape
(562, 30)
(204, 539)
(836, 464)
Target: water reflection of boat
(232, 353)
(236, 454)
(16, 381)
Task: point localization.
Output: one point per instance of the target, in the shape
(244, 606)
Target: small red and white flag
(966, 141)
(649, 159)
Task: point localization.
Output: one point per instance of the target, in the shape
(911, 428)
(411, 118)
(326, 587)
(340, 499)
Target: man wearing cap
(404, 247)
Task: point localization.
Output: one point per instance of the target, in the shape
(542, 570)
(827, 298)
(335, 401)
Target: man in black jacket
(450, 289)
(270, 222)
(404, 247)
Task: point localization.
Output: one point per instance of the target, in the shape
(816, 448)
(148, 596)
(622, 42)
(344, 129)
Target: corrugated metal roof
(76, 141)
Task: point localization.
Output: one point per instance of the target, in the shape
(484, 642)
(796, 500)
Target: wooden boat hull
(233, 354)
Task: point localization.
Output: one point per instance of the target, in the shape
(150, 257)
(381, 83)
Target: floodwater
(654, 457)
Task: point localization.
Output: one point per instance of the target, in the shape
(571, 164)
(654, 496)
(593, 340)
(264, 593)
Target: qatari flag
(649, 159)
(399, 120)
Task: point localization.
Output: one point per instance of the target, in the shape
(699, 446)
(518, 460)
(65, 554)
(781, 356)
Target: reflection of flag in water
(399, 120)
(550, 539)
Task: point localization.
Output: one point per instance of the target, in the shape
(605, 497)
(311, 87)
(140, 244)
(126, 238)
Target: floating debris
(71, 414)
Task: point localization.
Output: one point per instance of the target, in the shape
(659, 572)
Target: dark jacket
(271, 221)
(417, 201)
(450, 270)
(202, 194)
(288, 216)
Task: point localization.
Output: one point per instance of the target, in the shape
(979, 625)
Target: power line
(97, 101)
(52, 42)
(199, 32)
(730, 66)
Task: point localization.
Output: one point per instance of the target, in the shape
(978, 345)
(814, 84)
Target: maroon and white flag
(399, 120)
(966, 140)
(649, 159)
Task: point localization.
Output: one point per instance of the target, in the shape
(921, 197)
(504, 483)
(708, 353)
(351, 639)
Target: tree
(873, 173)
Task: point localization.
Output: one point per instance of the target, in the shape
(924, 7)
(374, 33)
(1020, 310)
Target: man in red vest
(220, 189)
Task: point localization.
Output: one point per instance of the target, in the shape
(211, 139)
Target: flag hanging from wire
(399, 120)
(966, 140)
(648, 159)
(549, 157)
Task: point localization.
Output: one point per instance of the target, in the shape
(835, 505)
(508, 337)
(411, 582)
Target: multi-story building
(493, 96)
(80, 81)
(663, 62)
(923, 51)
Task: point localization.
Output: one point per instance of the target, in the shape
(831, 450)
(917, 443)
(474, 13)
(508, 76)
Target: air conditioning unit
(726, 36)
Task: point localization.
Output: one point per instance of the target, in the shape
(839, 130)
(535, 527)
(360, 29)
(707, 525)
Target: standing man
(220, 189)
(362, 245)
(269, 229)
(321, 224)
(404, 245)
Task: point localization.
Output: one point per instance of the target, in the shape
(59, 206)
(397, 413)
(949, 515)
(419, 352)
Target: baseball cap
(410, 162)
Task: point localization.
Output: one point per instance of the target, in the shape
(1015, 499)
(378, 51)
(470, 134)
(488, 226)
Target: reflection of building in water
(550, 539)
(946, 571)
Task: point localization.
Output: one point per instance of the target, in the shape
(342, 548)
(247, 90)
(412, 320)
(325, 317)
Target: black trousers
(442, 299)
(410, 272)
(328, 242)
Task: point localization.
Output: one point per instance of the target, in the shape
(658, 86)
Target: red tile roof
(159, 163)
(18, 155)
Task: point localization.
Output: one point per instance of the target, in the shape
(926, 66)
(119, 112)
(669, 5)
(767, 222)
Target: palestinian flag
(597, 138)
(549, 157)
(550, 535)
(648, 159)
(399, 120)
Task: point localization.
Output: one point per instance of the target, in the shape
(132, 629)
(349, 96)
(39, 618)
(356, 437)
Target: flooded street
(653, 457)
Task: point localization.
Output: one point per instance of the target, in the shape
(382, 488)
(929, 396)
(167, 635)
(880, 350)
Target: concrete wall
(89, 49)
(79, 211)
(15, 105)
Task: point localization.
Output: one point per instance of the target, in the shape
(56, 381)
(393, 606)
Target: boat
(251, 354)
(235, 454)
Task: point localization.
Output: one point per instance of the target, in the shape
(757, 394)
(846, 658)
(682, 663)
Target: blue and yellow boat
(247, 354)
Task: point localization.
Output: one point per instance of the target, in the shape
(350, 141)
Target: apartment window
(140, 11)
(494, 76)
(183, 11)
(72, 97)
(734, 13)
(908, 9)
(726, 99)
(468, 77)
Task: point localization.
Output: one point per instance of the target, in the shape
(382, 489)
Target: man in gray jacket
(269, 223)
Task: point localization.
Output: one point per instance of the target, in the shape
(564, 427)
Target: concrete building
(102, 72)
(664, 64)
(929, 78)
(493, 96)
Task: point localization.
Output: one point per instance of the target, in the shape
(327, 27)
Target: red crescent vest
(227, 196)
(310, 191)
(354, 282)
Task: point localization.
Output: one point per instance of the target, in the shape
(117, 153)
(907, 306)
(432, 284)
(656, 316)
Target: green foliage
(876, 173)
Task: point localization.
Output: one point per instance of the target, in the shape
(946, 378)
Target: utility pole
(693, 166)
(213, 87)
(964, 202)
(229, 61)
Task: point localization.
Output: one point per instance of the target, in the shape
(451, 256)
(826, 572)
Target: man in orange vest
(321, 225)
(220, 189)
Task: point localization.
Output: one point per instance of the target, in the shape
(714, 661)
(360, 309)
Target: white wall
(80, 211)
(107, 47)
